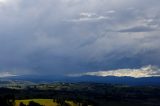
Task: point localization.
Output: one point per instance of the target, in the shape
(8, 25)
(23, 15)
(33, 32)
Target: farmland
(82, 94)
(46, 102)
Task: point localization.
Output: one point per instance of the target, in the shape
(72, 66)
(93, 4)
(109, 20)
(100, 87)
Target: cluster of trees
(93, 94)
(31, 103)
(7, 100)
(61, 101)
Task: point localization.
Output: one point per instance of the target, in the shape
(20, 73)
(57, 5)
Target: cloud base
(148, 71)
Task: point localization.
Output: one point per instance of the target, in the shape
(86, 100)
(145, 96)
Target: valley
(80, 94)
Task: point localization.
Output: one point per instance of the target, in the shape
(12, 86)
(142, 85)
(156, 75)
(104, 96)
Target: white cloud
(6, 74)
(92, 19)
(89, 19)
(111, 11)
(148, 71)
(4, 1)
(84, 16)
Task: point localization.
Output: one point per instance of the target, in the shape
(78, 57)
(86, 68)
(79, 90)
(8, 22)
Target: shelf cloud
(148, 71)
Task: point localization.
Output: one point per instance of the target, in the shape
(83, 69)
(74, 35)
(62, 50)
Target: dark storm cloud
(69, 36)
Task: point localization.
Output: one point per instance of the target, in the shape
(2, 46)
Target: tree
(22, 104)
(32, 103)
(8, 100)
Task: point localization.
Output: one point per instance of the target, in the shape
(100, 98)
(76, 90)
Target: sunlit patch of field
(46, 102)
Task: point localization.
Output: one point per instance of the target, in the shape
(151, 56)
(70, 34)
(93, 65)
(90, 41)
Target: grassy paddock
(46, 102)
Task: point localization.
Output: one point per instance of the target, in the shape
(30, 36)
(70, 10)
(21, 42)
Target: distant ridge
(153, 81)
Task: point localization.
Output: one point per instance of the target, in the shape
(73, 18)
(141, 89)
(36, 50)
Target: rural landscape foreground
(26, 93)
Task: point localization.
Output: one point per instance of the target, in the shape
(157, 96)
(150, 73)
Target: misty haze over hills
(144, 81)
(148, 75)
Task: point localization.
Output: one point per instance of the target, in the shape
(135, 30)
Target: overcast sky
(59, 37)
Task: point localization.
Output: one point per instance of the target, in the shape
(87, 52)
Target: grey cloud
(138, 29)
(39, 37)
(111, 11)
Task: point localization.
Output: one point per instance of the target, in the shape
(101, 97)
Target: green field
(46, 102)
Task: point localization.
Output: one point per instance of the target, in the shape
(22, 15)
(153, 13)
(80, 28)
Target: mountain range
(149, 81)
